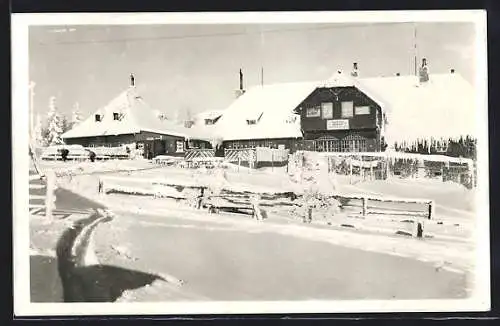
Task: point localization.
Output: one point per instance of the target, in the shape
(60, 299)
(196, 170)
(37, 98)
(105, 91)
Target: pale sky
(196, 67)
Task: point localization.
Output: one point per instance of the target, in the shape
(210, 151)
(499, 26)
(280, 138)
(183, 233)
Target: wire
(181, 37)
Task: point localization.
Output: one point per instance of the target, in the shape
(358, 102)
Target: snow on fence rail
(199, 153)
(48, 207)
(109, 152)
(381, 165)
(257, 156)
(367, 209)
(80, 153)
(194, 191)
(402, 155)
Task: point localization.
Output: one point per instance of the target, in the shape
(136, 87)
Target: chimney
(354, 72)
(424, 71)
(452, 71)
(132, 80)
(240, 91)
(241, 80)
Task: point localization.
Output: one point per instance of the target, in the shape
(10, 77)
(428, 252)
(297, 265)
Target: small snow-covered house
(347, 113)
(263, 116)
(128, 120)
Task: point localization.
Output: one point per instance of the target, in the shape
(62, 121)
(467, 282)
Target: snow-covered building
(350, 113)
(207, 118)
(128, 120)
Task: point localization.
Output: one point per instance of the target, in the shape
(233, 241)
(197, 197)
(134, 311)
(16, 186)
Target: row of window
(344, 145)
(116, 116)
(325, 110)
(252, 144)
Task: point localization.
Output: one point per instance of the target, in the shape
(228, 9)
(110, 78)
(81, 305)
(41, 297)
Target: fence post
(350, 170)
(256, 208)
(431, 209)
(100, 188)
(239, 160)
(309, 214)
(365, 206)
(199, 204)
(387, 168)
(50, 196)
(272, 160)
(419, 231)
(472, 171)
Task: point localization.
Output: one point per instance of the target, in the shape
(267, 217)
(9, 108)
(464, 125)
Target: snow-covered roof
(203, 132)
(212, 114)
(274, 104)
(443, 107)
(136, 116)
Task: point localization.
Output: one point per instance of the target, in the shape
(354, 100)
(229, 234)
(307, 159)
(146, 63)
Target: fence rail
(257, 156)
(199, 153)
(382, 165)
(367, 209)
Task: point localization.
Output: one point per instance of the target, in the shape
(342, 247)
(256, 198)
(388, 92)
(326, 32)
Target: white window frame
(363, 107)
(177, 142)
(315, 115)
(325, 106)
(343, 109)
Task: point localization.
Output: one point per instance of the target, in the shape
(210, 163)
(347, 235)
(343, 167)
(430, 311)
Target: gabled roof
(274, 105)
(443, 107)
(136, 116)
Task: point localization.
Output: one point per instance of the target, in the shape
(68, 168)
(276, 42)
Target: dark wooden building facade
(151, 143)
(341, 119)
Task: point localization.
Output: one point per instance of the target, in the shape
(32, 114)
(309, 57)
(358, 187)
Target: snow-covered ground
(450, 247)
(87, 167)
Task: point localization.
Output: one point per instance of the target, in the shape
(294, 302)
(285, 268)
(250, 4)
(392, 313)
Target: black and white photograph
(208, 163)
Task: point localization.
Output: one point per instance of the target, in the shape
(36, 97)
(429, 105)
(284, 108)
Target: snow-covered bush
(316, 185)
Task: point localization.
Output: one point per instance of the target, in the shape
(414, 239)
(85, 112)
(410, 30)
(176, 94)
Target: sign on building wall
(341, 124)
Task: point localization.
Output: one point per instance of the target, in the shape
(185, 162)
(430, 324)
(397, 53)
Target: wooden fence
(377, 205)
(257, 156)
(198, 153)
(237, 201)
(382, 165)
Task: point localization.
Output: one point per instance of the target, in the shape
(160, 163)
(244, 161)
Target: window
(251, 122)
(209, 121)
(327, 110)
(179, 146)
(97, 117)
(353, 143)
(347, 111)
(360, 110)
(313, 112)
(116, 116)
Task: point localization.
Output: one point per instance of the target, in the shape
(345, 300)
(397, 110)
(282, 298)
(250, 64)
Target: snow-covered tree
(38, 132)
(316, 186)
(54, 124)
(76, 116)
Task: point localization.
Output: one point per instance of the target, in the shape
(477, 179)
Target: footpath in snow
(451, 248)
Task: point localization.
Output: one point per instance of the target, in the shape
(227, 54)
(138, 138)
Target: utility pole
(262, 76)
(32, 107)
(415, 48)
